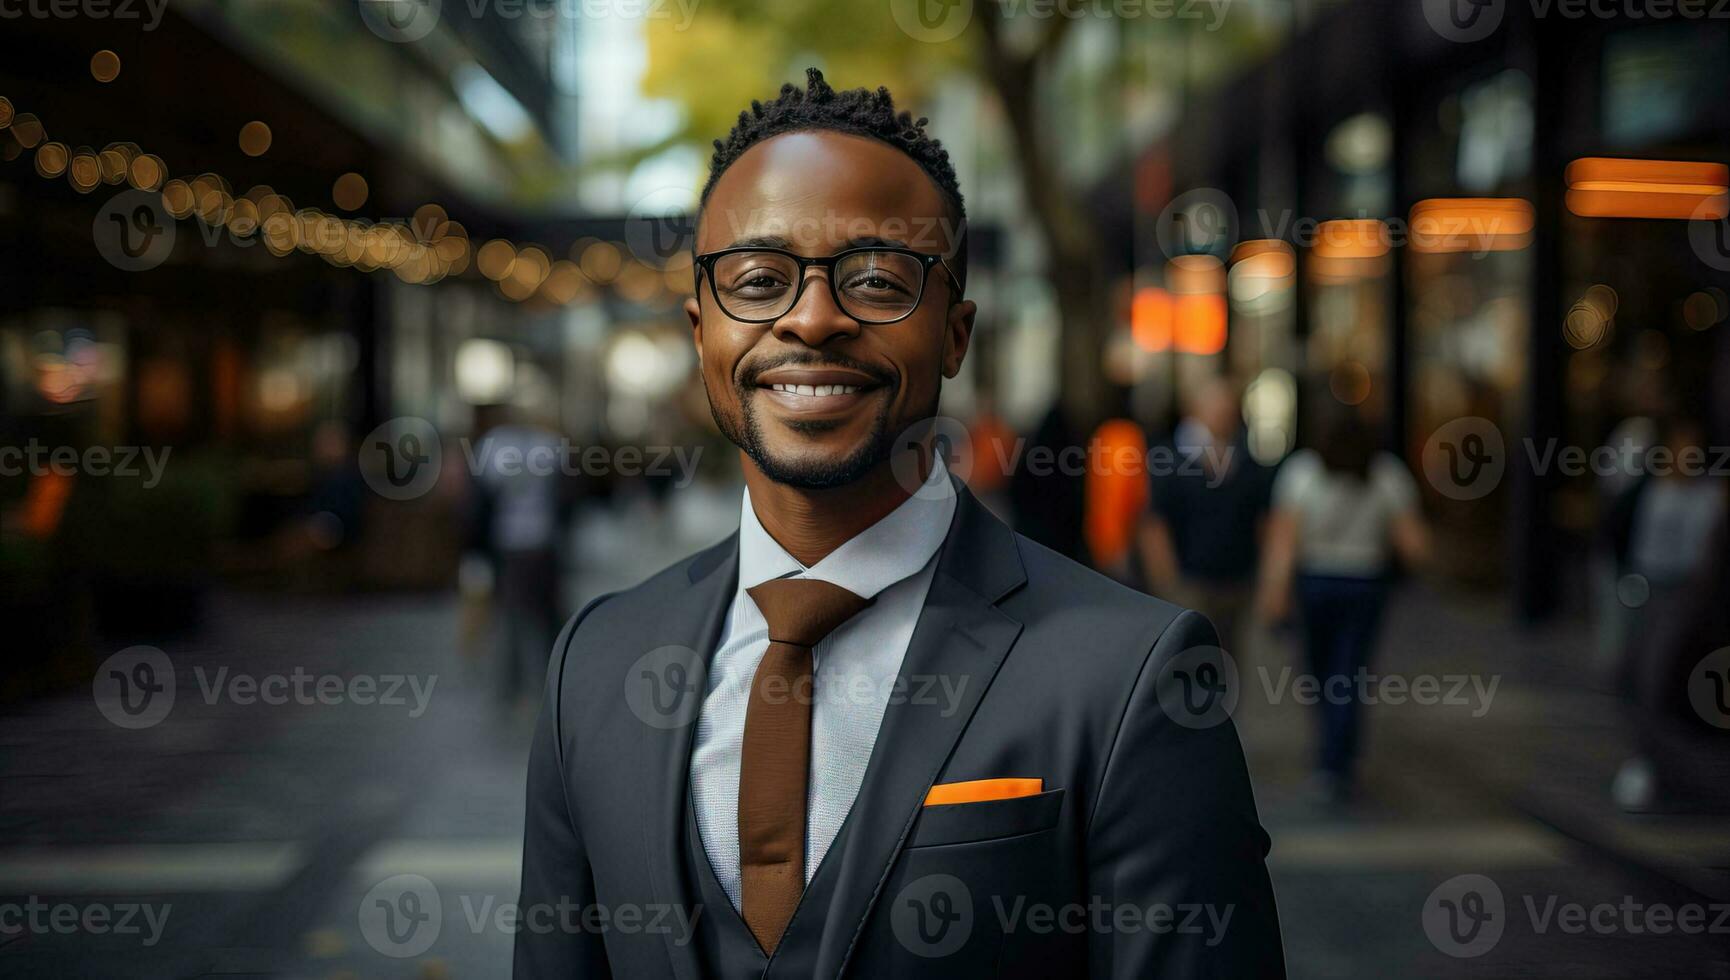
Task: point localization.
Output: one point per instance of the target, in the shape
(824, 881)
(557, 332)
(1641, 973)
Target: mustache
(751, 370)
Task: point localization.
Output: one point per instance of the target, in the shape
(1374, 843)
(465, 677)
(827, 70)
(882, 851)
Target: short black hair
(859, 112)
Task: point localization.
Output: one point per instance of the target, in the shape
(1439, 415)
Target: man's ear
(694, 310)
(957, 333)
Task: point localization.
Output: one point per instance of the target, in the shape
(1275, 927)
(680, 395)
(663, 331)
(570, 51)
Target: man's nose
(815, 319)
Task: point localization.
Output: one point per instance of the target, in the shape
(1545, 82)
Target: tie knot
(802, 611)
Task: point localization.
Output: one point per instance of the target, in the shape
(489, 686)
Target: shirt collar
(872, 560)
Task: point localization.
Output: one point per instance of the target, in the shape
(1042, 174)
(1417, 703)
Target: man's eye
(871, 282)
(758, 281)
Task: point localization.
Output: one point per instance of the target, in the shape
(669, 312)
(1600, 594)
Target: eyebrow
(784, 243)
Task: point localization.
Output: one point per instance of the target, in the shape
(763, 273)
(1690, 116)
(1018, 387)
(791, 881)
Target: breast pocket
(972, 823)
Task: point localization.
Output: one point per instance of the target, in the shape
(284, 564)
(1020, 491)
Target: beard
(812, 472)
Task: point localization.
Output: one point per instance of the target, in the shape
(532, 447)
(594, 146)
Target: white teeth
(815, 391)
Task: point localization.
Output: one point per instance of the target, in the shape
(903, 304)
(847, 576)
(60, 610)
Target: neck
(810, 524)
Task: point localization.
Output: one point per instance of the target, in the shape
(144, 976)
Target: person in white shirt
(1342, 512)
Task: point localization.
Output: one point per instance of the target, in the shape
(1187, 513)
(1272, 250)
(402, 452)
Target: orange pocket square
(981, 790)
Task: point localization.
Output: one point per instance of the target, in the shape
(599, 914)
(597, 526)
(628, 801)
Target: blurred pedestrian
(1663, 530)
(523, 497)
(1200, 537)
(1116, 494)
(1342, 512)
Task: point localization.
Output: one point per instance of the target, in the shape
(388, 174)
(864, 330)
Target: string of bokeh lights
(422, 250)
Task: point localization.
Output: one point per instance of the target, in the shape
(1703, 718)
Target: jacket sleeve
(557, 878)
(1174, 834)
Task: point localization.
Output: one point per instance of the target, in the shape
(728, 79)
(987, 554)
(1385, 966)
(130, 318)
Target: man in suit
(875, 733)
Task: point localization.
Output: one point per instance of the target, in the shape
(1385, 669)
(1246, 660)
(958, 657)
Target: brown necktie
(775, 769)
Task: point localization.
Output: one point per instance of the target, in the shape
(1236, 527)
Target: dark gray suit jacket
(1143, 857)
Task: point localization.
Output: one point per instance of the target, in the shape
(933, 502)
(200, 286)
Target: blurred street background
(1389, 333)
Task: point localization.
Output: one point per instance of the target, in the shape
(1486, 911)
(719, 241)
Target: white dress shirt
(853, 678)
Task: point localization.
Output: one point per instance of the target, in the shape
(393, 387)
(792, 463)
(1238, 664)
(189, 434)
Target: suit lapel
(693, 621)
(957, 646)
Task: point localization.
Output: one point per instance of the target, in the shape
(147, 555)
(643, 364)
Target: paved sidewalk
(272, 834)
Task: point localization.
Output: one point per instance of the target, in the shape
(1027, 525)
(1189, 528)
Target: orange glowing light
(1352, 238)
(1471, 224)
(1199, 323)
(1600, 187)
(1150, 315)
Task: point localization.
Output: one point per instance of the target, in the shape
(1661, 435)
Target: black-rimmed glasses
(875, 284)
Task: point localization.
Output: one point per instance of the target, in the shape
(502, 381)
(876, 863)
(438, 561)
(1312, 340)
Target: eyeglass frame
(705, 263)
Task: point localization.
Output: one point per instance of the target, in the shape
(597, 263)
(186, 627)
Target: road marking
(238, 866)
(1479, 845)
(492, 862)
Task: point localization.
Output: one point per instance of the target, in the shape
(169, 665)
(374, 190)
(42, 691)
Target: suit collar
(961, 639)
(895, 547)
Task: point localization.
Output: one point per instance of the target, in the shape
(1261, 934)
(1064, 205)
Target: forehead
(821, 190)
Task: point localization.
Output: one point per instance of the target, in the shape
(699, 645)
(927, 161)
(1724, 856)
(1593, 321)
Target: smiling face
(816, 398)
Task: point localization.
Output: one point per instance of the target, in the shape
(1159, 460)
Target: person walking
(1342, 513)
